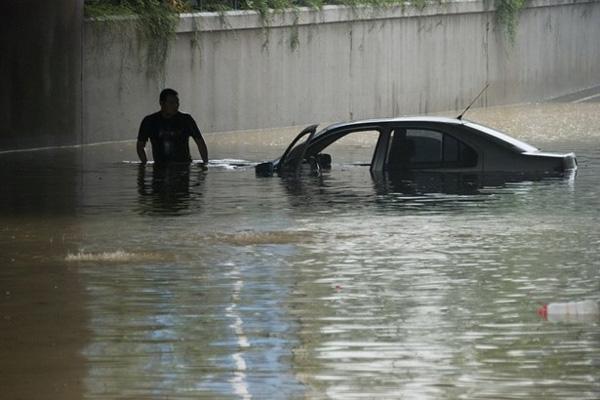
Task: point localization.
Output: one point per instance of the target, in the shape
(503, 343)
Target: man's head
(169, 102)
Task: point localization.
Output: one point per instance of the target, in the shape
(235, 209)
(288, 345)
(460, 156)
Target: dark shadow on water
(454, 183)
(441, 192)
(40, 183)
(404, 189)
(43, 324)
(421, 184)
(169, 189)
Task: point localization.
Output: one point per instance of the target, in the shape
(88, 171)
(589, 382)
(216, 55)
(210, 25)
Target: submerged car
(422, 144)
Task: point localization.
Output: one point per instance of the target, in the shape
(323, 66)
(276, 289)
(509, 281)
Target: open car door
(290, 161)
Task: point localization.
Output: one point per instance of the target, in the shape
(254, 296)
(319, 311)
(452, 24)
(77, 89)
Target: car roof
(522, 146)
(389, 121)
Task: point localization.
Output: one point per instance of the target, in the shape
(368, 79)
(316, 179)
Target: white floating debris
(586, 310)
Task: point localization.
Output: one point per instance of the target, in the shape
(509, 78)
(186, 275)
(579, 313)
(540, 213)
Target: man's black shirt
(169, 136)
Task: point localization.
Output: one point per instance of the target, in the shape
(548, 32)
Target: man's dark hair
(166, 93)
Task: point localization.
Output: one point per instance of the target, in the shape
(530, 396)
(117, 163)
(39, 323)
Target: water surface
(122, 281)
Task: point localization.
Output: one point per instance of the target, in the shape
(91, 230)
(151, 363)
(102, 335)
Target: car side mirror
(265, 169)
(324, 160)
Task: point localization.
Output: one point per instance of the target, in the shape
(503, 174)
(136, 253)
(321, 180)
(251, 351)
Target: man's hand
(202, 148)
(141, 151)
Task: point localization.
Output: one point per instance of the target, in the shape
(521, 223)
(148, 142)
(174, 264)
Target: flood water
(121, 282)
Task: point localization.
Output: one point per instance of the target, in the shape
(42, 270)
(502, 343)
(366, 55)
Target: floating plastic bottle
(586, 310)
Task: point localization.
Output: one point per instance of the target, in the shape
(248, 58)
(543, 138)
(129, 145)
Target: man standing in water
(169, 131)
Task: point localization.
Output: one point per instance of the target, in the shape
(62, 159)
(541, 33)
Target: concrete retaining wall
(339, 64)
(40, 73)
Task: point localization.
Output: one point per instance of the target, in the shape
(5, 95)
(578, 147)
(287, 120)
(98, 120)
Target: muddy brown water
(122, 282)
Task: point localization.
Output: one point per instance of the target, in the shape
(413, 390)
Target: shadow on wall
(40, 73)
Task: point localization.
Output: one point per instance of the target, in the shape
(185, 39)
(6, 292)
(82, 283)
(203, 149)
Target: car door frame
(453, 131)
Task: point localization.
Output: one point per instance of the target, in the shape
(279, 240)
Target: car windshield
(522, 146)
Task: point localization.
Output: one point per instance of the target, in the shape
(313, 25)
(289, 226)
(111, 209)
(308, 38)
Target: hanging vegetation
(507, 14)
(157, 19)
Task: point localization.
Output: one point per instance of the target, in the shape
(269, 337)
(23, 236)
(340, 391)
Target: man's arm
(202, 149)
(197, 136)
(141, 151)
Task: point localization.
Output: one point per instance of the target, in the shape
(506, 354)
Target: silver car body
(428, 144)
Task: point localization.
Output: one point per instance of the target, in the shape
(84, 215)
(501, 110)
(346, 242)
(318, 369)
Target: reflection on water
(167, 189)
(118, 256)
(252, 238)
(183, 283)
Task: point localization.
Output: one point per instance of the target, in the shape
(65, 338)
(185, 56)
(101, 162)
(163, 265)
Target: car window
(503, 137)
(426, 145)
(458, 154)
(425, 148)
(353, 148)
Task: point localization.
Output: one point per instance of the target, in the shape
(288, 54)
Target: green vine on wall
(507, 14)
(157, 19)
(156, 24)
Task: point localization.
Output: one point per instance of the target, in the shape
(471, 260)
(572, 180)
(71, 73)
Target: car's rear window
(519, 145)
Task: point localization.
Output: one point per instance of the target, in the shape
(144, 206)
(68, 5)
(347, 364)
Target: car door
(426, 148)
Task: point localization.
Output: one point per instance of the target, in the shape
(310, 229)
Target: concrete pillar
(40, 73)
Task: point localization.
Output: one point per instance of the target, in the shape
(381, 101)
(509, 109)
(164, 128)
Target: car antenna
(474, 100)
